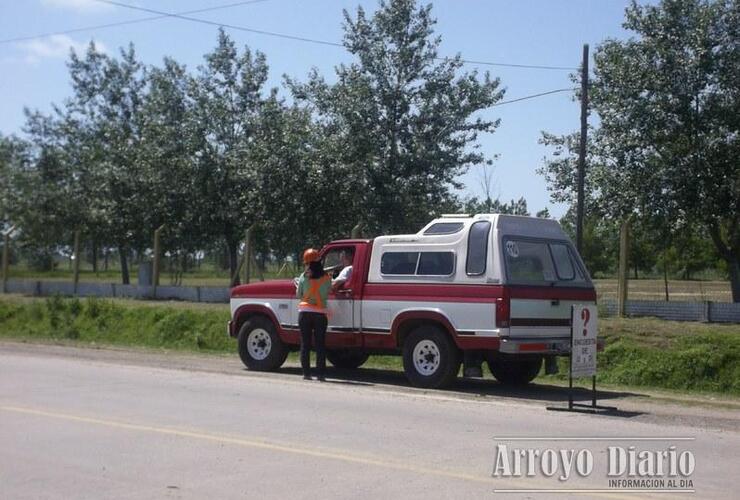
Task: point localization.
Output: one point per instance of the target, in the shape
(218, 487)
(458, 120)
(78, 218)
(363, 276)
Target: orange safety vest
(311, 300)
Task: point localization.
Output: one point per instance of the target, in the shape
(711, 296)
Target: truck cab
(490, 287)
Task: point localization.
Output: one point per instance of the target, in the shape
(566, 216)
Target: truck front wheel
(430, 358)
(514, 370)
(260, 347)
(348, 359)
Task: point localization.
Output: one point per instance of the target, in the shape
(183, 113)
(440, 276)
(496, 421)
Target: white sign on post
(584, 321)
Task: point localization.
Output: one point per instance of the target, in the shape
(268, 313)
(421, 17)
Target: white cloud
(54, 47)
(79, 5)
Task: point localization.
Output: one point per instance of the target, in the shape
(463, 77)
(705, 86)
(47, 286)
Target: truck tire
(514, 370)
(347, 359)
(260, 347)
(430, 358)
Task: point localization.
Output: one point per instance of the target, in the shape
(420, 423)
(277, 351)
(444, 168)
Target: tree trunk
(124, 265)
(94, 251)
(731, 254)
(636, 277)
(665, 276)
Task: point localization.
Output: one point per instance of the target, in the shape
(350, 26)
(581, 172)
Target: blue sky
(535, 32)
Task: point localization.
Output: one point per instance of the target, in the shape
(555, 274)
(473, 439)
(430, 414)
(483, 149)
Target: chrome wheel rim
(426, 357)
(259, 344)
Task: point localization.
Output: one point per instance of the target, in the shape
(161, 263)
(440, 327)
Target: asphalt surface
(81, 423)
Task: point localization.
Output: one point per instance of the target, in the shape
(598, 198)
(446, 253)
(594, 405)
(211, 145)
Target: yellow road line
(285, 448)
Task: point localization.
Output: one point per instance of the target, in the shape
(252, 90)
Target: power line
(528, 66)
(123, 23)
(225, 25)
(184, 17)
(533, 96)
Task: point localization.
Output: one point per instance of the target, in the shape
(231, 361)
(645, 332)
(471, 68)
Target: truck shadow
(547, 393)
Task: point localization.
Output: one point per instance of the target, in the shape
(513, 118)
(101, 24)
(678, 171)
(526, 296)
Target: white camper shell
(485, 248)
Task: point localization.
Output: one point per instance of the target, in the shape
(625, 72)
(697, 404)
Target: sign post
(583, 345)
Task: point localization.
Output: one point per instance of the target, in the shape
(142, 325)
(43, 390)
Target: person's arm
(343, 277)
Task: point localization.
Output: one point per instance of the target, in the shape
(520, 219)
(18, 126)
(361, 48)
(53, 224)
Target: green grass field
(640, 352)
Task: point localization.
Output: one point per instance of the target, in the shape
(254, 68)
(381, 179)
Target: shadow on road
(546, 393)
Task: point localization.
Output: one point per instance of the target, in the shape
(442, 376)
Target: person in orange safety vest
(312, 289)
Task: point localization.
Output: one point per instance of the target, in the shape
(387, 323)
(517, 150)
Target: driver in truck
(346, 273)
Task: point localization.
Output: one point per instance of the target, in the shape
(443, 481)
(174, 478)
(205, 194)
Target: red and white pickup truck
(487, 287)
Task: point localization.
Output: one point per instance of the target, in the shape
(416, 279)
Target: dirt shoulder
(699, 411)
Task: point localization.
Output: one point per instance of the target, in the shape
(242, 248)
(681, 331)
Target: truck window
(417, 263)
(399, 262)
(444, 228)
(475, 264)
(563, 263)
(533, 262)
(436, 264)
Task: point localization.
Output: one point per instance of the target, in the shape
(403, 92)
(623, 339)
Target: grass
(640, 352)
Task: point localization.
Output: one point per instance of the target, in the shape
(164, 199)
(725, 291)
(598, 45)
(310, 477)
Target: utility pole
(582, 148)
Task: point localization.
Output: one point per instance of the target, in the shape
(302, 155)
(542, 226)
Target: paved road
(81, 424)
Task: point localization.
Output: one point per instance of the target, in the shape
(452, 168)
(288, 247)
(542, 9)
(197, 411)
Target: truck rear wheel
(348, 359)
(430, 358)
(515, 370)
(260, 347)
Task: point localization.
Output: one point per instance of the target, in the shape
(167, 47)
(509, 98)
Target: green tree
(404, 122)
(168, 156)
(669, 105)
(227, 95)
(102, 126)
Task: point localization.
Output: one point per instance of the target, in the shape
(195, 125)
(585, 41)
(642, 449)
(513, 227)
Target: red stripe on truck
(471, 293)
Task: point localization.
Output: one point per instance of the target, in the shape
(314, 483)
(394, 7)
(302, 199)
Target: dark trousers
(313, 325)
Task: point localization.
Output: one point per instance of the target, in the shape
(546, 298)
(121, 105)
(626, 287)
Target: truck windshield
(540, 262)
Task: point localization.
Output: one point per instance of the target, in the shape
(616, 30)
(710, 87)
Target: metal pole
(582, 148)
(76, 263)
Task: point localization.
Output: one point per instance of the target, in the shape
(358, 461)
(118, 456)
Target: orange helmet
(310, 255)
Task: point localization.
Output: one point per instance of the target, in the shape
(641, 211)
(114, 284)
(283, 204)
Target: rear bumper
(552, 346)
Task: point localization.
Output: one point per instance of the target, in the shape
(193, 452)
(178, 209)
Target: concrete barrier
(24, 287)
(186, 293)
(56, 288)
(214, 294)
(714, 312)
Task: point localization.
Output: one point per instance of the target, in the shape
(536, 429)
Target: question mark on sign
(585, 316)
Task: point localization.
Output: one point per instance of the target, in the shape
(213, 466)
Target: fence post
(76, 263)
(156, 260)
(624, 244)
(6, 257)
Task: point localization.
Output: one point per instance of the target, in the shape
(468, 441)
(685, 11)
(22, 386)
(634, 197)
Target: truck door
(546, 280)
(343, 329)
